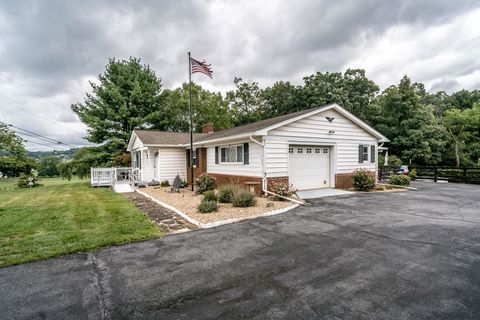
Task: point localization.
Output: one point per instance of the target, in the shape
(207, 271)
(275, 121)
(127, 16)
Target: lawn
(64, 217)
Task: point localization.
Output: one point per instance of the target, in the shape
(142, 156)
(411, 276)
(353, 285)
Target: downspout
(264, 176)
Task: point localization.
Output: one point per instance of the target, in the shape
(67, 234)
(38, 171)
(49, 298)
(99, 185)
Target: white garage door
(309, 167)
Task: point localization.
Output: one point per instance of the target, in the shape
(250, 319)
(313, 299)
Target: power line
(42, 144)
(30, 113)
(39, 138)
(39, 135)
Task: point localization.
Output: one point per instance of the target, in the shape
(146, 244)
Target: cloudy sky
(49, 50)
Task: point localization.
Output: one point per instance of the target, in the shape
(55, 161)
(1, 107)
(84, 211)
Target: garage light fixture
(331, 132)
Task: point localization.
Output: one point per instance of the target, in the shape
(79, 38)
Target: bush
(28, 181)
(400, 180)
(207, 206)
(165, 183)
(225, 193)
(205, 182)
(364, 180)
(243, 198)
(282, 188)
(183, 184)
(413, 174)
(210, 196)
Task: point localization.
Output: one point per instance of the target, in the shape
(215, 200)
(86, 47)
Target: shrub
(210, 196)
(243, 198)
(225, 193)
(282, 188)
(165, 183)
(28, 181)
(400, 180)
(413, 174)
(207, 206)
(205, 182)
(183, 184)
(177, 183)
(364, 180)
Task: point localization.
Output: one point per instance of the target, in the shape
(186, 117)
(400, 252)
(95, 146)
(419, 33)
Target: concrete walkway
(320, 193)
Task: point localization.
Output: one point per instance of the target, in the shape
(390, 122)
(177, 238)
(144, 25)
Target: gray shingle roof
(253, 126)
(166, 138)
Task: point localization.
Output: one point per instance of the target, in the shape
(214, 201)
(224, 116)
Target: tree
(463, 127)
(282, 98)
(414, 132)
(13, 156)
(246, 102)
(126, 97)
(208, 107)
(48, 167)
(352, 90)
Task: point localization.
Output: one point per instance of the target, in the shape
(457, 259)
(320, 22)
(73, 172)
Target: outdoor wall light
(331, 132)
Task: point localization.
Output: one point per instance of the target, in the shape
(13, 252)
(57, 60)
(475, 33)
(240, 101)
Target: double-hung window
(231, 154)
(365, 153)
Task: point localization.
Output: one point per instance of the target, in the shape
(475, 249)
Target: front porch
(121, 180)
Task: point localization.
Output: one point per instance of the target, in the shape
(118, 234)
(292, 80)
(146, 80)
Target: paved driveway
(372, 256)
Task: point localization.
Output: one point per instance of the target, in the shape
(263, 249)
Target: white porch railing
(107, 177)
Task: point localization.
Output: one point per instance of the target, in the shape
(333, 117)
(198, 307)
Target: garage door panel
(309, 166)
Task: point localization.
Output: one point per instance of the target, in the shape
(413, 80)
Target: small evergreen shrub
(413, 174)
(183, 184)
(165, 183)
(177, 183)
(364, 180)
(207, 206)
(400, 180)
(28, 181)
(225, 193)
(210, 196)
(243, 198)
(282, 188)
(205, 182)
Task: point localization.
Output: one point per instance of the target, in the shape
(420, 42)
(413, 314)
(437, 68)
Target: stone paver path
(167, 220)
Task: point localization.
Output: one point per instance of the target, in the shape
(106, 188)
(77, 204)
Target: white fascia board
(341, 110)
(130, 142)
(221, 140)
(166, 145)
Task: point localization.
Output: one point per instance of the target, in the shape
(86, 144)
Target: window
(299, 150)
(231, 154)
(325, 150)
(309, 150)
(137, 159)
(290, 150)
(317, 150)
(365, 153)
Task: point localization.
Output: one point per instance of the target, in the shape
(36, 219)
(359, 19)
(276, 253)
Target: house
(315, 148)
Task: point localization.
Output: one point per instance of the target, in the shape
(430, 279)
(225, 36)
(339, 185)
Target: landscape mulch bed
(167, 220)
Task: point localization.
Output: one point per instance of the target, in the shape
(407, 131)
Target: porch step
(122, 188)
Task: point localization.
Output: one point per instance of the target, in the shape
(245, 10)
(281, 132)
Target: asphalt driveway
(409, 255)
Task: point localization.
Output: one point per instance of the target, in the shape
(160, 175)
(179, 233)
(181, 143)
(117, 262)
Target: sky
(50, 50)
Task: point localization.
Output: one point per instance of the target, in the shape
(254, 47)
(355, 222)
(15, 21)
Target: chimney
(207, 128)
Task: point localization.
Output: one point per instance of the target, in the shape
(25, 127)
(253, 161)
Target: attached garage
(309, 166)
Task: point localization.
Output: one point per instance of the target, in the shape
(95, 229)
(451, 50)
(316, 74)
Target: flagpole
(191, 120)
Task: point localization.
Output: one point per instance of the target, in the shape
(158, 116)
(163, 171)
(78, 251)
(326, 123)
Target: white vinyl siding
(345, 139)
(253, 169)
(173, 161)
(137, 144)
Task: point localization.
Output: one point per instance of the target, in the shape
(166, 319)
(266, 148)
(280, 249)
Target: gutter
(264, 178)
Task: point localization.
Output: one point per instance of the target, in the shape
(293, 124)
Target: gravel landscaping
(187, 202)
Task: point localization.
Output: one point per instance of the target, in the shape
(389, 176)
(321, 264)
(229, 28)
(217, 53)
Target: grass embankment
(65, 217)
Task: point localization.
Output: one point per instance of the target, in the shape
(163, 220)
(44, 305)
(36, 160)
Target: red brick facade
(202, 164)
(256, 182)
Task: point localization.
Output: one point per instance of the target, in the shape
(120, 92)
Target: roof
(155, 137)
(255, 126)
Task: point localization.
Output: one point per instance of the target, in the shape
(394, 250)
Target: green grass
(64, 217)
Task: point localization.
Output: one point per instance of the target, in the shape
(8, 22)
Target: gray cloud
(50, 49)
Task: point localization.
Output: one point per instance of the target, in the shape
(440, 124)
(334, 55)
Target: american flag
(201, 67)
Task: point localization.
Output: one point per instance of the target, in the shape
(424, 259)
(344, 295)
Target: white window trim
(230, 146)
(368, 153)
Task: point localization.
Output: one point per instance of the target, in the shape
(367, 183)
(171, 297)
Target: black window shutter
(360, 153)
(188, 157)
(372, 157)
(246, 159)
(222, 154)
(216, 155)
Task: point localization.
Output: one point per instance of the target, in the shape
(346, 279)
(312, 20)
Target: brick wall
(240, 180)
(271, 181)
(201, 167)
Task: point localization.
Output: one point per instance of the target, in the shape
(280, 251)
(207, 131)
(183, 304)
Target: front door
(155, 167)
